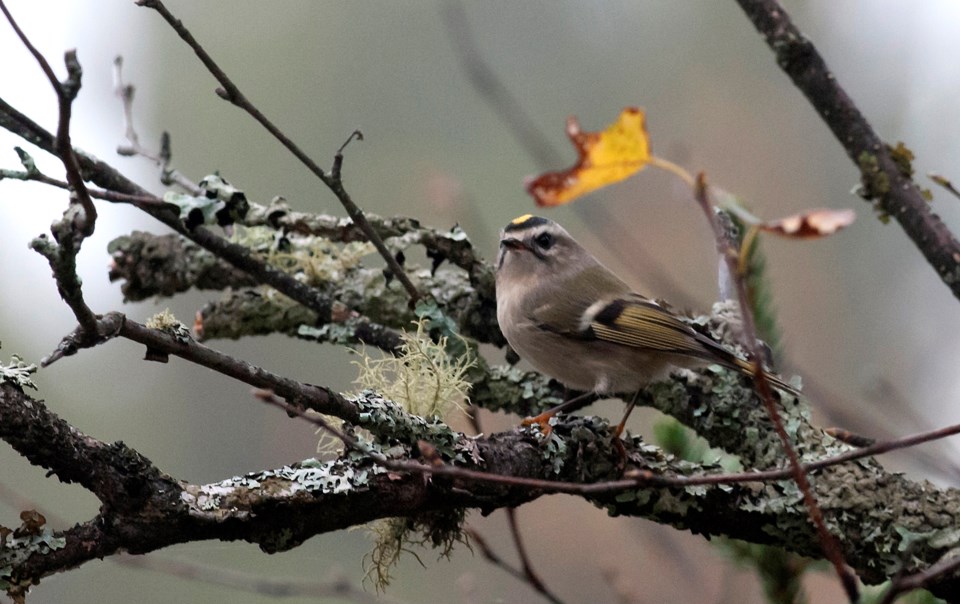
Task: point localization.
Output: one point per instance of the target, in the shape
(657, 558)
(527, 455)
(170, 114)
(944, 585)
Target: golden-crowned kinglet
(577, 322)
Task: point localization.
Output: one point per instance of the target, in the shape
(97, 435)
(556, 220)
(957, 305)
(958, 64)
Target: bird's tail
(749, 369)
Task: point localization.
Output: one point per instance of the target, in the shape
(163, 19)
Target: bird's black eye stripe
(544, 241)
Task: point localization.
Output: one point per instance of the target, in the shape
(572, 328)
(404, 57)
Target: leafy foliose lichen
(18, 372)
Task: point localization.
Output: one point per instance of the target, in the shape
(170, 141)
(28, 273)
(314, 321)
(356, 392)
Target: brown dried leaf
(810, 225)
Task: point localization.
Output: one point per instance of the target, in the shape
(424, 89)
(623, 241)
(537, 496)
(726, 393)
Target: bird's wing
(635, 321)
(642, 323)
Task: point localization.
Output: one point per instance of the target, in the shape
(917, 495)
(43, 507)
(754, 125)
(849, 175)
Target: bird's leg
(543, 420)
(623, 422)
(617, 443)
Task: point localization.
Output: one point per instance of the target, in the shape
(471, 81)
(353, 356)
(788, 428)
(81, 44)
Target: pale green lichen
(167, 323)
(390, 424)
(403, 400)
(394, 537)
(16, 547)
(309, 476)
(423, 378)
(218, 203)
(18, 372)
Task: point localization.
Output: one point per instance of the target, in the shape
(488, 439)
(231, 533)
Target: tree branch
(885, 179)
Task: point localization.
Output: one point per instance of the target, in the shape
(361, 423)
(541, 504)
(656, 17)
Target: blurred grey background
(866, 322)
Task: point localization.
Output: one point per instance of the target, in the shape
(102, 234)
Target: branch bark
(885, 179)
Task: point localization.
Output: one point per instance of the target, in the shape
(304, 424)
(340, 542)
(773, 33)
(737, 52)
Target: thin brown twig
(944, 182)
(66, 92)
(168, 175)
(904, 583)
(528, 571)
(160, 344)
(830, 545)
(493, 558)
(231, 93)
(111, 196)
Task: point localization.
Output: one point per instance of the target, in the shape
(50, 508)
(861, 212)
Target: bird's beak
(512, 243)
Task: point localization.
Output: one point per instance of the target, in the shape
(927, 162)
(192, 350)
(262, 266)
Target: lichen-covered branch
(870, 510)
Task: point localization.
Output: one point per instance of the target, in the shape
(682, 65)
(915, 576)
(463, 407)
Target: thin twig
(944, 182)
(111, 196)
(230, 92)
(904, 583)
(66, 92)
(168, 175)
(831, 547)
(160, 344)
(493, 558)
(532, 577)
(336, 588)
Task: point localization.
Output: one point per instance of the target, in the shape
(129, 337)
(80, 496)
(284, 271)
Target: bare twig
(33, 174)
(831, 547)
(338, 588)
(230, 92)
(168, 175)
(161, 344)
(532, 577)
(884, 180)
(944, 182)
(903, 583)
(491, 556)
(66, 92)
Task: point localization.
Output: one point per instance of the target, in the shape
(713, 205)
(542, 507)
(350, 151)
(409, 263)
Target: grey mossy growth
(241, 312)
(164, 265)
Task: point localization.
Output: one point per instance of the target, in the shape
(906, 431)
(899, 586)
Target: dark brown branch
(161, 344)
(884, 180)
(119, 476)
(230, 92)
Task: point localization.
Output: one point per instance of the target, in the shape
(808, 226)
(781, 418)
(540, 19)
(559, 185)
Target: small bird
(577, 322)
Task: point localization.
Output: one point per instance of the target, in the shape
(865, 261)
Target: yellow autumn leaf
(604, 158)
